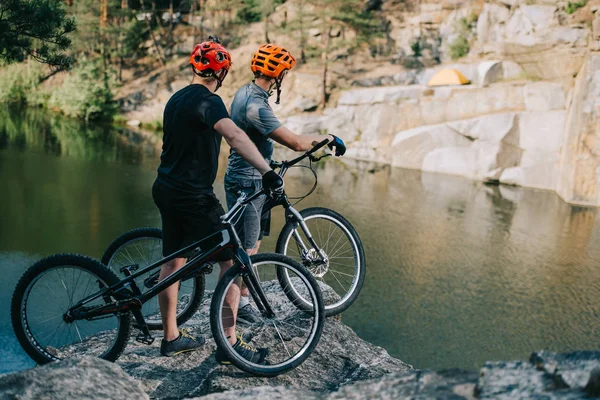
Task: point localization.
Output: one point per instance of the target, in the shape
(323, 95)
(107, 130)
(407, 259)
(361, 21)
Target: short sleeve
(261, 117)
(211, 110)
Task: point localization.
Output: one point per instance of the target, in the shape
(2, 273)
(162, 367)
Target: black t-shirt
(191, 146)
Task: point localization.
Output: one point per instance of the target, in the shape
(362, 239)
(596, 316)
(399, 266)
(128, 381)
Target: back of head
(210, 59)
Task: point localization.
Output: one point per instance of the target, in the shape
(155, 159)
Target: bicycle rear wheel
(143, 246)
(43, 295)
(290, 334)
(343, 273)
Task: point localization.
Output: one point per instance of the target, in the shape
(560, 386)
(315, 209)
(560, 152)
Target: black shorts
(187, 218)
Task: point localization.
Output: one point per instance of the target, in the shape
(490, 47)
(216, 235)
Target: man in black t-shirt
(195, 119)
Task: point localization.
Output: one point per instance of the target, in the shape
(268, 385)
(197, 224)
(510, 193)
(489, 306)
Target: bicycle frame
(291, 213)
(129, 297)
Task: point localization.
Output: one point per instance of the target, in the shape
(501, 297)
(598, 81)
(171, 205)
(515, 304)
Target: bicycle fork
(297, 219)
(252, 282)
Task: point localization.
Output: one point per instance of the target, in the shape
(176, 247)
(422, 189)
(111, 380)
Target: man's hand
(340, 147)
(273, 183)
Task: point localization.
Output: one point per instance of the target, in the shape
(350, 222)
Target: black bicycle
(67, 304)
(319, 238)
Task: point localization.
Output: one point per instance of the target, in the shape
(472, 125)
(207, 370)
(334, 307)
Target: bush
(250, 12)
(459, 48)
(87, 92)
(416, 48)
(574, 6)
(18, 82)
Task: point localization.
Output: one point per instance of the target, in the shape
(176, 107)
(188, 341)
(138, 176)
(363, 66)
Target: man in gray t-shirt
(250, 110)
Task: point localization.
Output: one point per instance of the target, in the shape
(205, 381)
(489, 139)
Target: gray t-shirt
(250, 110)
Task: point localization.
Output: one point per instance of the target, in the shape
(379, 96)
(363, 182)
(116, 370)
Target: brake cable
(311, 159)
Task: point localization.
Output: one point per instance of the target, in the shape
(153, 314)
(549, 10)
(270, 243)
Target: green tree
(36, 28)
(335, 15)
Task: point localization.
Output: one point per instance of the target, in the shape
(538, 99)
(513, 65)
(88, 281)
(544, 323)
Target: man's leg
(232, 300)
(244, 292)
(167, 299)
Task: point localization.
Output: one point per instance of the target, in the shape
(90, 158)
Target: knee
(173, 265)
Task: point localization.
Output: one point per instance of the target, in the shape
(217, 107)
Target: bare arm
(241, 143)
(289, 139)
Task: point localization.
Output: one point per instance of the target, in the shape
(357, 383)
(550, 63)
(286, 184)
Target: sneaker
(244, 337)
(256, 356)
(248, 315)
(184, 343)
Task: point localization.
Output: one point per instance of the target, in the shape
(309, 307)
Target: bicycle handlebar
(275, 164)
(284, 165)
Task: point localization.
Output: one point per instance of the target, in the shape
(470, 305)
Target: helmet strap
(278, 86)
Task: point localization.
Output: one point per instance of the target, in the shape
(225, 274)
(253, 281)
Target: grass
(459, 48)
(574, 6)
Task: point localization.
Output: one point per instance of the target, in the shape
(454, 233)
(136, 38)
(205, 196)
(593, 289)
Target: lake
(458, 272)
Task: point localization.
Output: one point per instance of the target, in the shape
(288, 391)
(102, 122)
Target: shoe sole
(178, 352)
(242, 321)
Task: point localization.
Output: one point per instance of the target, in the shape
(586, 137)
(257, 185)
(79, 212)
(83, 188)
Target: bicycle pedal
(144, 339)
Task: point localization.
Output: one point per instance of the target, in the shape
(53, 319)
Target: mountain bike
(319, 238)
(67, 304)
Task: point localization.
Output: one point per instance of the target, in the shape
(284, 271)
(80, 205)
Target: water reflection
(40, 130)
(457, 272)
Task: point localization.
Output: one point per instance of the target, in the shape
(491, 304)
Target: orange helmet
(271, 60)
(210, 57)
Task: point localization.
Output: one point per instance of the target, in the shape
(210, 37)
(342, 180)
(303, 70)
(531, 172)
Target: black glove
(273, 183)
(340, 147)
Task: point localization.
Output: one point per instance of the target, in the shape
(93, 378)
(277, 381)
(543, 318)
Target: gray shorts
(253, 224)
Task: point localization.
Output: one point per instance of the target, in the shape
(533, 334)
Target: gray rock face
(543, 377)
(340, 357)
(85, 378)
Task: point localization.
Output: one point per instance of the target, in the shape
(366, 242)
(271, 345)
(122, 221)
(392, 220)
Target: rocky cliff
(545, 376)
(530, 116)
(343, 366)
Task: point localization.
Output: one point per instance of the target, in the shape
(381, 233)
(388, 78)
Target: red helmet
(211, 57)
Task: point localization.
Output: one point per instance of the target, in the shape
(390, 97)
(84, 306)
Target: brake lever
(315, 159)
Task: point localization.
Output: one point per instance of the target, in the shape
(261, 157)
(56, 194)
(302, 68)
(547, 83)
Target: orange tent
(448, 76)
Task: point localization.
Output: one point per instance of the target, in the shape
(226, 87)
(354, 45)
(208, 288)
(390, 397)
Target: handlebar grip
(318, 146)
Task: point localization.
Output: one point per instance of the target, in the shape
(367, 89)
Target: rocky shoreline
(343, 366)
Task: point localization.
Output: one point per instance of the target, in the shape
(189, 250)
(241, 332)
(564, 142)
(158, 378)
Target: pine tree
(36, 28)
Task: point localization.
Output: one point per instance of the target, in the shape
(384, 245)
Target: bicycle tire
(35, 272)
(199, 281)
(324, 213)
(218, 299)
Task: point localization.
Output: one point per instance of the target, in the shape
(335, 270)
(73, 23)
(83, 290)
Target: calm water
(457, 272)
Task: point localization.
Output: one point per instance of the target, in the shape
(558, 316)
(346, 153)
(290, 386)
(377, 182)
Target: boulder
(451, 160)
(490, 128)
(489, 72)
(84, 378)
(511, 70)
(410, 147)
(544, 96)
(539, 175)
(542, 130)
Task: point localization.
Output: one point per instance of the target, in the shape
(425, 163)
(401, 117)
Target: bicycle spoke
(281, 338)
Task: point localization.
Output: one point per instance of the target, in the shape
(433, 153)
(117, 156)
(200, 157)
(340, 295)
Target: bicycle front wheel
(290, 333)
(143, 246)
(45, 293)
(342, 273)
